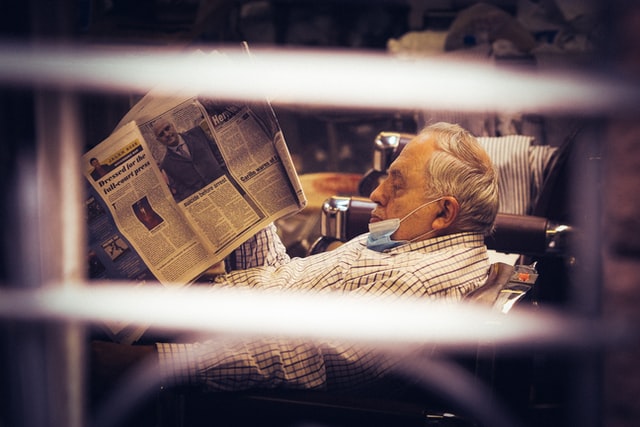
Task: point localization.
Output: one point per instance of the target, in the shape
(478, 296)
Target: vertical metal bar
(60, 186)
(61, 226)
(60, 221)
(586, 282)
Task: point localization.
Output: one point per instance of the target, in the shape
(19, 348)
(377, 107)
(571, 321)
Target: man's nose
(377, 195)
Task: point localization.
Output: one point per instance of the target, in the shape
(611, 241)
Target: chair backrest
(386, 147)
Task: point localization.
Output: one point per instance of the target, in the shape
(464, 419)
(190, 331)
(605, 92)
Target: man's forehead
(405, 167)
(414, 155)
(411, 161)
(424, 141)
(161, 124)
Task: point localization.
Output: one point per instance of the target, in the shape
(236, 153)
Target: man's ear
(447, 214)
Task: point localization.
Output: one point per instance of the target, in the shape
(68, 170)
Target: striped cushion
(520, 167)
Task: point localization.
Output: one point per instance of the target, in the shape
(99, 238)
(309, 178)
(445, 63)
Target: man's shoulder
(436, 246)
(359, 242)
(195, 133)
(454, 240)
(169, 158)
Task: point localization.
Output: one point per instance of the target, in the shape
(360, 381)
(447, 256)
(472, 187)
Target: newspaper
(179, 185)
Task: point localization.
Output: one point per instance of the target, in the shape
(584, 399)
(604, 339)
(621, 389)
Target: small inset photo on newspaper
(115, 247)
(145, 214)
(99, 168)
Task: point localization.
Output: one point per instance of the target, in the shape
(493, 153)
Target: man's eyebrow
(396, 175)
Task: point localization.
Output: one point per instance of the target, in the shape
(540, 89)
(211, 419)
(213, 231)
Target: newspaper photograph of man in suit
(191, 161)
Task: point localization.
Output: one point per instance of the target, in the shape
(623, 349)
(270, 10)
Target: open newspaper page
(138, 211)
(189, 185)
(235, 175)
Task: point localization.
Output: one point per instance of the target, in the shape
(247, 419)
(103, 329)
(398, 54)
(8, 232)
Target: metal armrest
(344, 218)
(505, 286)
(528, 235)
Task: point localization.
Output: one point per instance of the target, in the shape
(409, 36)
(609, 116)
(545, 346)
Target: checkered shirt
(444, 267)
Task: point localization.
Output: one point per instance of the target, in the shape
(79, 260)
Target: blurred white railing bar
(320, 78)
(355, 318)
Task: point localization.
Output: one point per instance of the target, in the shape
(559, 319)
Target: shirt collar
(433, 244)
(181, 141)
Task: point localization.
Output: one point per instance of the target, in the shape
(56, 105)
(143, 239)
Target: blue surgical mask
(380, 232)
(380, 235)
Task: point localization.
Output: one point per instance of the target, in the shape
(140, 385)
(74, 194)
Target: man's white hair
(461, 168)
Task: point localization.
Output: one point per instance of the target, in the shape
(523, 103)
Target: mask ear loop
(426, 233)
(420, 207)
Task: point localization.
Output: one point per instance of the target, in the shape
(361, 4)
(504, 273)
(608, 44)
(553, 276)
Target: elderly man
(426, 240)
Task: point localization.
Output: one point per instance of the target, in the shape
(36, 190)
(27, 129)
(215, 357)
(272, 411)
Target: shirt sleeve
(264, 248)
(294, 364)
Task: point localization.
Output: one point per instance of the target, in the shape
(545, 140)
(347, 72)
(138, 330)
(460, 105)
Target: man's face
(95, 163)
(404, 190)
(166, 133)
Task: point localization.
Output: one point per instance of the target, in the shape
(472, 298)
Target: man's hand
(110, 362)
